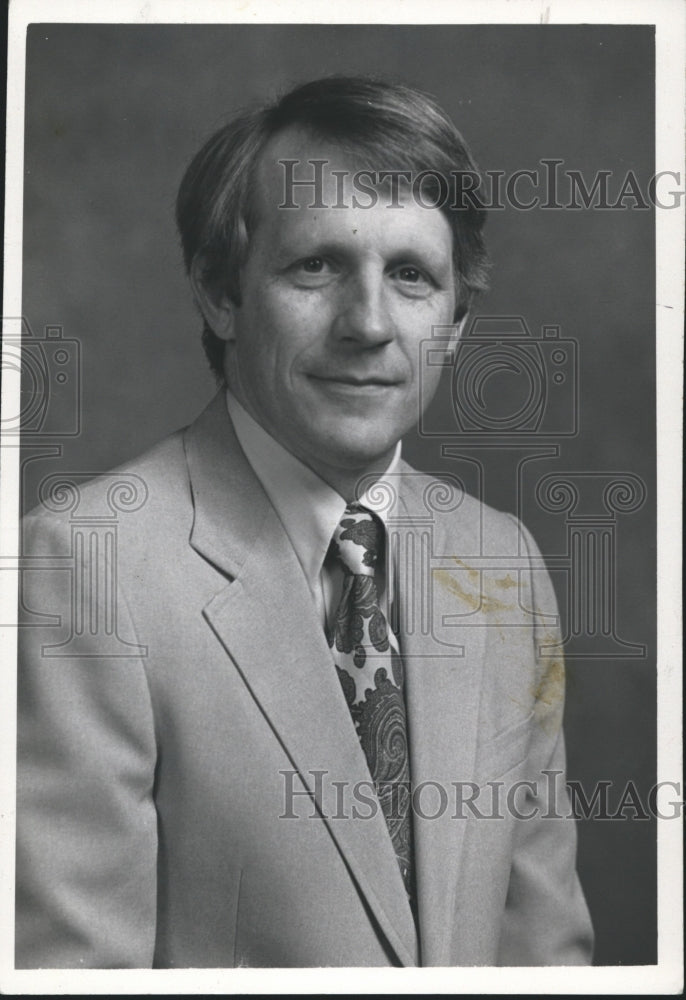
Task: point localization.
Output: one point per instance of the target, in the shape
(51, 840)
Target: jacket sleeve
(86, 821)
(546, 920)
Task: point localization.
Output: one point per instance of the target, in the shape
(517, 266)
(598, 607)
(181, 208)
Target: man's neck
(351, 483)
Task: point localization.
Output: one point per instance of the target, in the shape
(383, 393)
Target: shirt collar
(308, 508)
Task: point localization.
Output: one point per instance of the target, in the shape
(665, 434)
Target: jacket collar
(229, 504)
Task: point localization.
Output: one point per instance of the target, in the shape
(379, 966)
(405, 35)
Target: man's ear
(216, 306)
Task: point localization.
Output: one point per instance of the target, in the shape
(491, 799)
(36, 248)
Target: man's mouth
(357, 381)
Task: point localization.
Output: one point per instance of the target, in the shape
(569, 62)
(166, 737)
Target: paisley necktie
(370, 670)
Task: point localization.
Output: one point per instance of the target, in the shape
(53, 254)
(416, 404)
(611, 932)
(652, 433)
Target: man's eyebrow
(309, 246)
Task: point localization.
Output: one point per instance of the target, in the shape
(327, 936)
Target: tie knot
(357, 540)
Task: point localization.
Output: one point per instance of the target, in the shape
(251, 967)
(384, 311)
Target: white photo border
(669, 19)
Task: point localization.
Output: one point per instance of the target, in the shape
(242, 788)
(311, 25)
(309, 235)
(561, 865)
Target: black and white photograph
(341, 463)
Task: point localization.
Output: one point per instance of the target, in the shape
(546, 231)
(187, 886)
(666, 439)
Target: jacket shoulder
(442, 502)
(149, 489)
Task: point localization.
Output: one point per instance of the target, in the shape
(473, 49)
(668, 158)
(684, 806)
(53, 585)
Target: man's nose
(363, 315)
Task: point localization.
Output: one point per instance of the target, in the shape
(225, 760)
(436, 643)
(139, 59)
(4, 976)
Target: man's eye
(413, 280)
(313, 265)
(410, 274)
(311, 272)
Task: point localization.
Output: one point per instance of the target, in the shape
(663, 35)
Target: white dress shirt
(308, 508)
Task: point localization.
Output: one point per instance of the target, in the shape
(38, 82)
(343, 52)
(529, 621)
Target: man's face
(324, 349)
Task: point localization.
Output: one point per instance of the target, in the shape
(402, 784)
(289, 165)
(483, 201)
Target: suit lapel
(266, 620)
(443, 680)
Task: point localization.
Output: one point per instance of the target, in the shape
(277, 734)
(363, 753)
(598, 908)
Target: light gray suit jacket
(155, 824)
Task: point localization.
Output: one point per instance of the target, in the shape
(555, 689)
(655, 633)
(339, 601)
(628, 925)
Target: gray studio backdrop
(113, 115)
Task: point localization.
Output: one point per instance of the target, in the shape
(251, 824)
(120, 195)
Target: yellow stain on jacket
(477, 602)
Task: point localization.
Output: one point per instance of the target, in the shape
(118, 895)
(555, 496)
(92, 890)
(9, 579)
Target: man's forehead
(298, 169)
(285, 162)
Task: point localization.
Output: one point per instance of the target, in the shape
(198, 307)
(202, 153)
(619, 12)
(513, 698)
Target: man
(268, 774)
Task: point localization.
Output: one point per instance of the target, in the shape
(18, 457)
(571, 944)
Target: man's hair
(382, 126)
